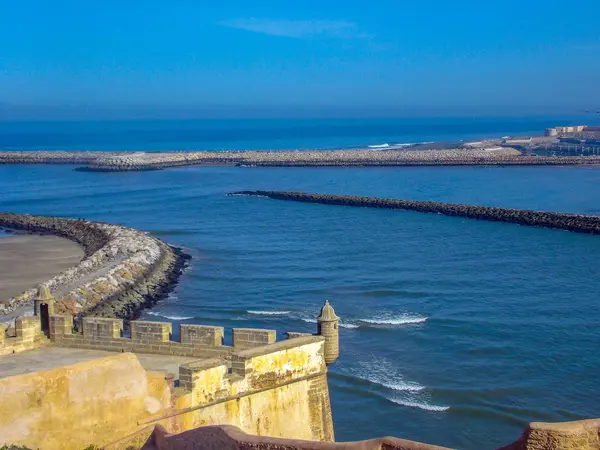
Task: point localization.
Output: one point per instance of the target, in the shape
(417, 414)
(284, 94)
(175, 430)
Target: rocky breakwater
(123, 271)
(330, 158)
(155, 161)
(381, 158)
(578, 223)
(50, 157)
(139, 161)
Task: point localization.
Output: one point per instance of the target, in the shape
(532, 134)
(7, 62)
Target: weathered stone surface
(71, 407)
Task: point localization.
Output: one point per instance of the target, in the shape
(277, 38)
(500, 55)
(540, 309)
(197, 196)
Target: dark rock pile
(578, 223)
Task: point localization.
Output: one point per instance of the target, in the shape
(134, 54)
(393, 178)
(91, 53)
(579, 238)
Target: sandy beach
(26, 260)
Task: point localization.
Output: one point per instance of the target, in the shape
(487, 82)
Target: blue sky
(388, 57)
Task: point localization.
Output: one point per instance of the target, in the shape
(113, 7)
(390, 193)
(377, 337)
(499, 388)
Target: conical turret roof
(43, 293)
(327, 313)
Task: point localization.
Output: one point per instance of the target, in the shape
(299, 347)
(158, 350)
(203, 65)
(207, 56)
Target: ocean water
(266, 134)
(455, 332)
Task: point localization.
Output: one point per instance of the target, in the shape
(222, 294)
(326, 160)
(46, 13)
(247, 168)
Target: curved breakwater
(123, 271)
(579, 223)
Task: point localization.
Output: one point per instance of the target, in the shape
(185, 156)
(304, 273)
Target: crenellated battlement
(264, 386)
(202, 341)
(27, 335)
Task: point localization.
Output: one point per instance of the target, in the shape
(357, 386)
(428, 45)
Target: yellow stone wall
(71, 407)
(28, 336)
(279, 390)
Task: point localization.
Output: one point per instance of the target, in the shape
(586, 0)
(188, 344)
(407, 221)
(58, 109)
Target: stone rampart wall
(579, 223)
(273, 390)
(276, 390)
(128, 268)
(202, 341)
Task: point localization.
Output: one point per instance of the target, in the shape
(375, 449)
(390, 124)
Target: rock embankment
(124, 270)
(578, 223)
(138, 161)
(51, 157)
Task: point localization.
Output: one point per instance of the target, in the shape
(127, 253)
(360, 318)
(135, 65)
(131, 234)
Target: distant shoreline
(577, 145)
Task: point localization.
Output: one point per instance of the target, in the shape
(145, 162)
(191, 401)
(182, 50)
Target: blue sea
(267, 134)
(455, 332)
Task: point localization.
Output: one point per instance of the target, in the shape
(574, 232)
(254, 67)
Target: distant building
(562, 130)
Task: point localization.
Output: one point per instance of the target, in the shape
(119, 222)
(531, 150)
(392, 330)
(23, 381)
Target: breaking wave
(382, 372)
(269, 313)
(380, 320)
(308, 320)
(421, 405)
(383, 378)
(170, 317)
(385, 145)
(388, 319)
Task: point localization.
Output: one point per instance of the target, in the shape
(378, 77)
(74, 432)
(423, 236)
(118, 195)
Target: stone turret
(328, 327)
(44, 306)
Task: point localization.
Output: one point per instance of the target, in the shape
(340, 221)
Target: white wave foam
(382, 372)
(420, 405)
(269, 313)
(404, 319)
(246, 195)
(349, 325)
(380, 145)
(170, 317)
(172, 296)
(309, 320)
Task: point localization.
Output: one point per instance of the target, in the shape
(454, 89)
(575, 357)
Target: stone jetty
(579, 223)
(139, 161)
(123, 271)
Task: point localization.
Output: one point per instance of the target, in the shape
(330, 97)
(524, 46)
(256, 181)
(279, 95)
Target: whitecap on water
(390, 319)
(416, 404)
(269, 313)
(170, 317)
(382, 372)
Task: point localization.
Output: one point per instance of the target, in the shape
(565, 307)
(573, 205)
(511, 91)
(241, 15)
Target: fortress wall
(274, 390)
(251, 337)
(578, 223)
(203, 341)
(124, 269)
(146, 337)
(71, 407)
(28, 335)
